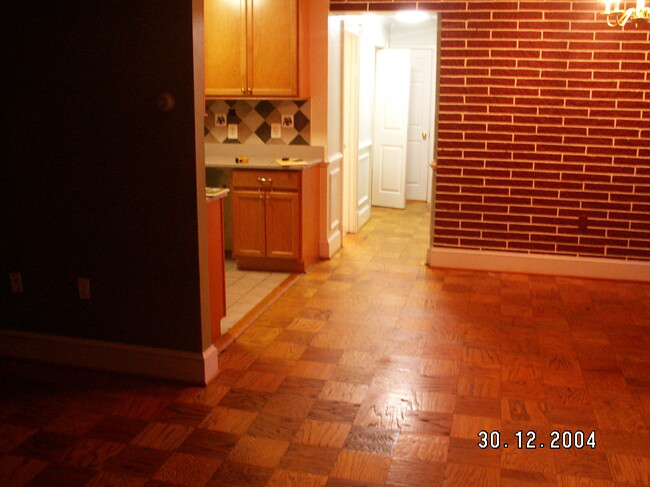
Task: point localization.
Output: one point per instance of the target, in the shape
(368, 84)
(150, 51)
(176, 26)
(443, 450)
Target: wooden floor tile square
(91, 453)
(259, 381)
(311, 459)
(312, 370)
(325, 355)
(415, 473)
(118, 429)
(137, 461)
(360, 466)
(344, 392)
(462, 475)
(281, 428)
(18, 471)
(74, 422)
(228, 420)
(62, 475)
(245, 399)
(231, 473)
(371, 440)
(111, 479)
(466, 451)
(11, 436)
(426, 448)
(263, 452)
(288, 405)
(45, 446)
(333, 411)
(286, 350)
(208, 443)
(162, 436)
(309, 388)
(287, 478)
(184, 414)
(322, 433)
(632, 469)
(188, 470)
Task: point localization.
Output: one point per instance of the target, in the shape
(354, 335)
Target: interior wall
(101, 183)
(544, 144)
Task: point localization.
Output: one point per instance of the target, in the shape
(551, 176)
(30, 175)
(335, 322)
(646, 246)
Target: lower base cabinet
(275, 218)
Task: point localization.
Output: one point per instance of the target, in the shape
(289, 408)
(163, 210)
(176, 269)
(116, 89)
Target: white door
(419, 138)
(393, 74)
(350, 130)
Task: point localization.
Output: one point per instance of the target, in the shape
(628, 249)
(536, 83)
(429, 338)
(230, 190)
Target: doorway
(371, 163)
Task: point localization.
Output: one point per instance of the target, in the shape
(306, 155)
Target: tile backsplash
(254, 119)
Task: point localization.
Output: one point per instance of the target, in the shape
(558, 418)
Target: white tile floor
(244, 289)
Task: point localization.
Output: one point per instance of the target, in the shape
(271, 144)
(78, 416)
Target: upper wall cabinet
(256, 48)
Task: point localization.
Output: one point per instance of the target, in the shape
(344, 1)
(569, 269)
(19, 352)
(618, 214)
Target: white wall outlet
(276, 131)
(287, 120)
(83, 286)
(16, 282)
(232, 130)
(220, 119)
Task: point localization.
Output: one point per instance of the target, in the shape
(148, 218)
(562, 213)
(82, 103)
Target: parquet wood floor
(371, 370)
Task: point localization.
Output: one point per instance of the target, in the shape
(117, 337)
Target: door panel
(282, 225)
(418, 153)
(225, 47)
(274, 51)
(248, 212)
(391, 126)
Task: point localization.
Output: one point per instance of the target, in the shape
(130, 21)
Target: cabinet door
(282, 225)
(248, 224)
(273, 47)
(225, 47)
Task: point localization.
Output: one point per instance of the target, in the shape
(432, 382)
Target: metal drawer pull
(264, 180)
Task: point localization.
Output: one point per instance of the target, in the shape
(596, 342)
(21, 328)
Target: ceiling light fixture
(618, 16)
(411, 16)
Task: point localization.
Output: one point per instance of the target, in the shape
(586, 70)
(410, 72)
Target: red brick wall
(544, 128)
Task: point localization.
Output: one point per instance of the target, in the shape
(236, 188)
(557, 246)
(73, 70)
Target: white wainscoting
(192, 367)
(333, 179)
(364, 183)
(557, 265)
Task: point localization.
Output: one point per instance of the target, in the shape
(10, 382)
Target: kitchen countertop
(260, 156)
(215, 194)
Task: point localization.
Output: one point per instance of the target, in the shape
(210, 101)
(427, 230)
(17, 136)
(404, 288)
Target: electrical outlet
(16, 282)
(276, 131)
(220, 119)
(232, 131)
(83, 285)
(287, 121)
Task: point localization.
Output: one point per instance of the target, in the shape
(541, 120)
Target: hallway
(371, 370)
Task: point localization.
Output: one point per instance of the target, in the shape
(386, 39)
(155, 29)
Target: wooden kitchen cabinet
(256, 48)
(275, 219)
(216, 266)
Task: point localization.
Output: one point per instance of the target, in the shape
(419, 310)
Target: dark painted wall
(96, 181)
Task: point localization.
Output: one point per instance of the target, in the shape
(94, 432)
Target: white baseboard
(539, 264)
(333, 244)
(116, 357)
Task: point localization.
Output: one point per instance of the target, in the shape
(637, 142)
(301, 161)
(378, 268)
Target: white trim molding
(558, 265)
(191, 367)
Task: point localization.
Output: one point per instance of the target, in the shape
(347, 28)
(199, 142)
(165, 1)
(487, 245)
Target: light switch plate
(232, 130)
(276, 131)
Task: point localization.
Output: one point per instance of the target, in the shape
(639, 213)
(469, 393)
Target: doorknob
(424, 136)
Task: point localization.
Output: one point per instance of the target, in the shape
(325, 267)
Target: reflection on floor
(244, 290)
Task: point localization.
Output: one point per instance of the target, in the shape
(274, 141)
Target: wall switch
(83, 285)
(232, 130)
(16, 282)
(276, 131)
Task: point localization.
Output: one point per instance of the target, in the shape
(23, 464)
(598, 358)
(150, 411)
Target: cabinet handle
(243, 90)
(250, 91)
(261, 180)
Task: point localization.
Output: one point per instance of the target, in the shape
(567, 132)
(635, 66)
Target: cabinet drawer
(265, 179)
